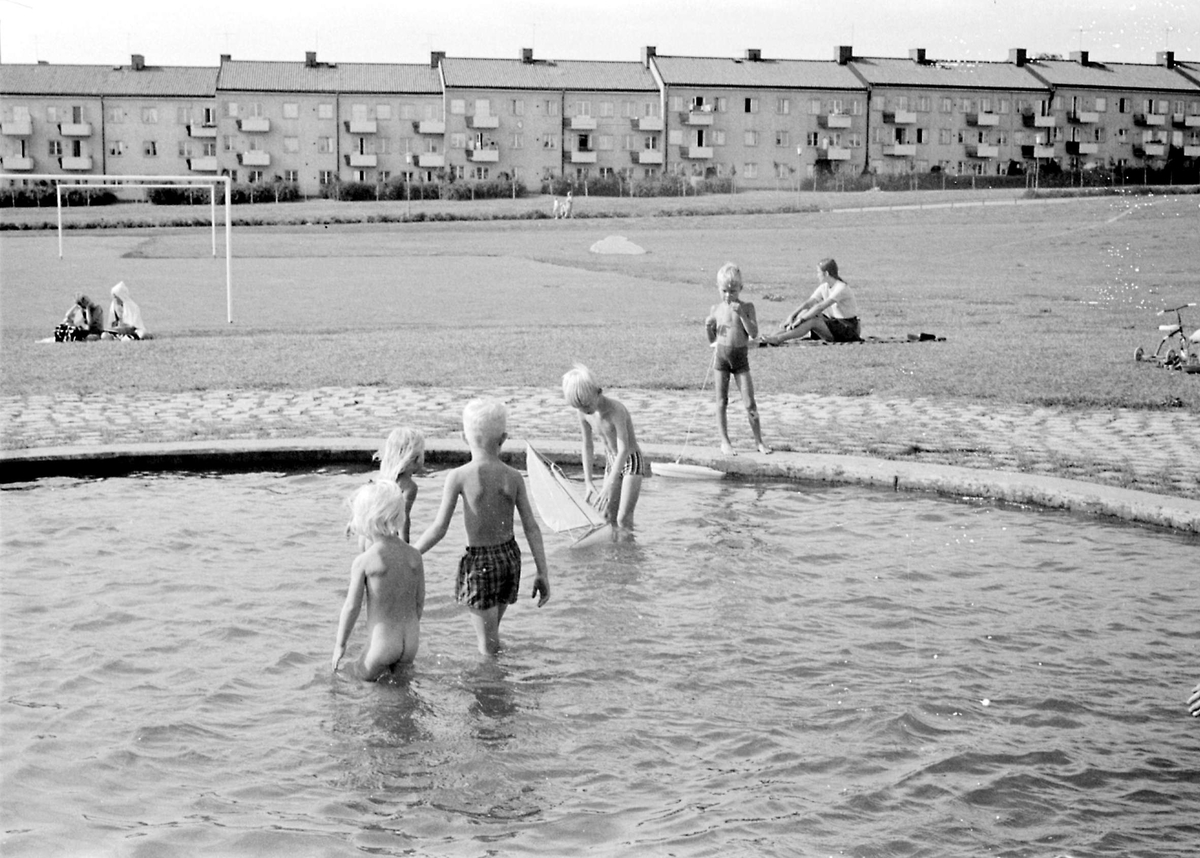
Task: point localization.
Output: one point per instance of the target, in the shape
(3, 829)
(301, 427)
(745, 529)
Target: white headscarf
(125, 310)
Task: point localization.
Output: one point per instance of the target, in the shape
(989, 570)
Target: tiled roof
(1190, 70)
(756, 74)
(148, 82)
(944, 74)
(599, 76)
(261, 76)
(1110, 75)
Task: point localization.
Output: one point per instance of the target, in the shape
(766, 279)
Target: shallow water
(769, 669)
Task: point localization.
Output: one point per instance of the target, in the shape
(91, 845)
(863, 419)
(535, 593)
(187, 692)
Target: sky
(168, 32)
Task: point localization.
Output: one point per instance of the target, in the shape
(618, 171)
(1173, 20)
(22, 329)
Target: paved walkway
(1154, 451)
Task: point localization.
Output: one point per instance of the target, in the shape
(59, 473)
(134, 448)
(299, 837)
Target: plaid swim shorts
(489, 575)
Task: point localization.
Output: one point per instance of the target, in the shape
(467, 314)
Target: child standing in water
(624, 466)
(403, 454)
(489, 572)
(731, 325)
(391, 576)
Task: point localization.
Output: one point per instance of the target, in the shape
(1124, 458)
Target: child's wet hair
(728, 274)
(404, 449)
(580, 387)
(376, 510)
(484, 420)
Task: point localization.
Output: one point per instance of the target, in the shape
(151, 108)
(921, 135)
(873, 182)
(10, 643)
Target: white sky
(170, 32)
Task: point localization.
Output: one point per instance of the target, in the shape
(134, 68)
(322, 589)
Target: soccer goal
(104, 180)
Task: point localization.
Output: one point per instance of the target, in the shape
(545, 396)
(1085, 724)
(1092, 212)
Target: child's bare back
(489, 492)
(395, 584)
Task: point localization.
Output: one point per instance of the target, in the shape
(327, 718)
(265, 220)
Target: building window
(583, 108)
(183, 116)
(551, 108)
(480, 174)
(782, 138)
(924, 103)
(255, 144)
(458, 141)
(606, 109)
(855, 139)
(1124, 105)
(783, 106)
(458, 106)
(254, 176)
(325, 145)
(549, 142)
(291, 110)
(722, 104)
(516, 107)
(325, 111)
(210, 149)
(185, 148)
(326, 177)
(149, 115)
(116, 148)
(231, 109)
(116, 115)
(227, 142)
(751, 105)
(584, 143)
(944, 136)
(946, 104)
(605, 142)
(384, 112)
(292, 176)
(291, 144)
(676, 103)
(750, 171)
(150, 148)
(813, 138)
(1002, 106)
(1101, 104)
(718, 136)
(814, 107)
(650, 143)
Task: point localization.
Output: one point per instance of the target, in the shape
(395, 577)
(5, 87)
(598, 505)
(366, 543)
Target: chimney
(310, 59)
(917, 55)
(648, 52)
(435, 58)
(138, 62)
(1165, 59)
(526, 55)
(844, 54)
(1016, 56)
(754, 55)
(226, 57)
(1080, 57)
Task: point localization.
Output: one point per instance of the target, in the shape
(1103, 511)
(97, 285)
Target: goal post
(96, 181)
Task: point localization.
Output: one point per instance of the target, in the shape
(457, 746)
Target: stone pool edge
(1031, 489)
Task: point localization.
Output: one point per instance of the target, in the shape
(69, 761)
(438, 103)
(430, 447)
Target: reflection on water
(764, 669)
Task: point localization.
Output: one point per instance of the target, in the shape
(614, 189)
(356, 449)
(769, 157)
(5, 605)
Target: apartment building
(137, 119)
(533, 119)
(760, 120)
(315, 124)
(1116, 114)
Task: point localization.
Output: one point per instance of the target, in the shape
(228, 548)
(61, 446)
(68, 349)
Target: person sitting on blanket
(126, 316)
(84, 321)
(830, 313)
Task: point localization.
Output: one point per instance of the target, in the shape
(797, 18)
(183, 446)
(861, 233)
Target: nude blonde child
(402, 455)
(489, 571)
(731, 324)
(390, 575)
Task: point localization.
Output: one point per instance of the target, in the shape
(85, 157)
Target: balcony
(254, 158)
(698, 153)
(581, 157)
(982, 150)
(833, 153)
(648, 156)
(983, 120)
(75, 129)
(698, 117)
(1083, 117)
(653, 123)
(1180, 120)
(361, 159)
(482, 121)
(75, 162)
(1037, 150)
(835, 120)
(899, 117)
(483, 156)
(1078, 147)
(1150, 150)
(206, 164)
(1188, 152)
(209, 131)
(901, 150)
(362, 126)
(1150, 120)
(431, 159)
(254, 124)
(18, 162)
(430, 126)
(1033, 120)
(583, 123)
(17, 127)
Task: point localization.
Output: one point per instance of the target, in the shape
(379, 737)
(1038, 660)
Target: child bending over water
(391, 575)
(489, 572)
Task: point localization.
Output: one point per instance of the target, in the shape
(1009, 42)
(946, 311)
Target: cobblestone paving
(1156, 451)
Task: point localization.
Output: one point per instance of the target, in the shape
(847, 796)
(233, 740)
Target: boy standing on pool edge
(731, 325)
(489, 572)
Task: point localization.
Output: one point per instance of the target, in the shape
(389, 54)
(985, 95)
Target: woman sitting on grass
(125, 316)
(830, 313)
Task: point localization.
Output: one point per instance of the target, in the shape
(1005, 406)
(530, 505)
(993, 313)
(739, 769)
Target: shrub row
(43, 196)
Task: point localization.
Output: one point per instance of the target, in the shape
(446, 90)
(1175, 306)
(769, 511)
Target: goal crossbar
(92, 181)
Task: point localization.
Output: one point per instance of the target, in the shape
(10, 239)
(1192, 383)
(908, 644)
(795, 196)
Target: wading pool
(768, 669)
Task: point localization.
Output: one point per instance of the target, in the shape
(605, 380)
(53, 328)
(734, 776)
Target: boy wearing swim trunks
(731, 325)
(391, 575)
(489, 572)
(625, 467)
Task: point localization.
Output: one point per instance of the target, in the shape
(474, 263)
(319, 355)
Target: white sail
(557, 501)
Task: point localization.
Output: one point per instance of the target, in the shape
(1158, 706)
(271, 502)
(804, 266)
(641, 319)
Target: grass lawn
(1039, 303)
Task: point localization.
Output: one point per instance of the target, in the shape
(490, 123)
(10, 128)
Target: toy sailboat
(558, 501)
